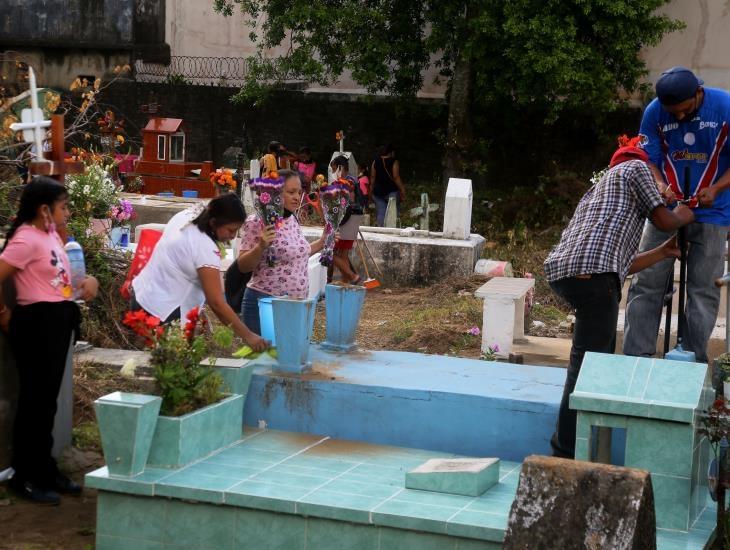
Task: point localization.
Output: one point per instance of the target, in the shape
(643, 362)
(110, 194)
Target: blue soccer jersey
(701, 144)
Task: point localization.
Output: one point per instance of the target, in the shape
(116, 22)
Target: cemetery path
(27, 526)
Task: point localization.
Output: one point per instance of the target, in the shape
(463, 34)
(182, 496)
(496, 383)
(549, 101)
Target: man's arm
(708, 194)
(669, 220)
(668, 249)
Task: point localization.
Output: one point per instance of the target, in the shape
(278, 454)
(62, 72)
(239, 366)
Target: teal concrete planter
(181, 440)
(344, 306)
(293, 325)
(127, 424)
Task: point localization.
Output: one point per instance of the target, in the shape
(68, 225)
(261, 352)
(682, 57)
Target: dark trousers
(596, 302)
(40, 336)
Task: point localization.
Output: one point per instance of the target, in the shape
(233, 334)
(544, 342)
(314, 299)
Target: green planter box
(126, 424)
(178, 441)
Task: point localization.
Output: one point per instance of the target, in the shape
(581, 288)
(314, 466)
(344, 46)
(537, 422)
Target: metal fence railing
(183, 69)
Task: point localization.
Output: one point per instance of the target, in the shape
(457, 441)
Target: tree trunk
(459, 134)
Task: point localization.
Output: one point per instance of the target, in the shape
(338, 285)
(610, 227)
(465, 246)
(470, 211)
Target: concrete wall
(702, 45)
(193, 28)
(214, 123)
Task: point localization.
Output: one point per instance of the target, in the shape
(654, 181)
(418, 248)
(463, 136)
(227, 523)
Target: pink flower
(343, 202)
(474, 331)
(494, 348)
(264, 198)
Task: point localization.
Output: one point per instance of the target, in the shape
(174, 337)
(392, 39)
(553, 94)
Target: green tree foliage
(541, 56)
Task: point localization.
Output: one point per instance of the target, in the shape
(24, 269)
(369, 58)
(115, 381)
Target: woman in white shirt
(184, 270)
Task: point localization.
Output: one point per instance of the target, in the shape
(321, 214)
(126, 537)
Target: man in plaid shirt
(596, 252)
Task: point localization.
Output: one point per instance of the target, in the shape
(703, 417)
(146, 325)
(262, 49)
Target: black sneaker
(66, 486)
(32, 492)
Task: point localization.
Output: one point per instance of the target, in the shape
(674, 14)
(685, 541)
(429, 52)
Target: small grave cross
(423, 211)
(33, 127)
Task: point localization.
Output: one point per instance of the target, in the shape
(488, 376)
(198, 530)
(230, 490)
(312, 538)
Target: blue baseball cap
(676, 85)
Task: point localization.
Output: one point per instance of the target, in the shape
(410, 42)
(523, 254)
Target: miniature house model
(163, 166)
(648, 409)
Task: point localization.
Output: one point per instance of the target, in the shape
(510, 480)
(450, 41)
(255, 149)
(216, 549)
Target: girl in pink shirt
(288, 276)
(40, 329)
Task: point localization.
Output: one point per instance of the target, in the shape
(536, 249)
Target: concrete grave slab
(459, 476)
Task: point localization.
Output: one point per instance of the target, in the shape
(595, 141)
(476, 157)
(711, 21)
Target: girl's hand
(267, 237)
(89, 288)
(257, 343)
(5, 319)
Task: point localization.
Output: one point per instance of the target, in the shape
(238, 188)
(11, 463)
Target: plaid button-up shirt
(604, 234)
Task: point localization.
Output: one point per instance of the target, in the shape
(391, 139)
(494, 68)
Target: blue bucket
(190, 194)
(266, 318)
(165, 194)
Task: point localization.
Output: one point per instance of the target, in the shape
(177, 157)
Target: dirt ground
(434, 319)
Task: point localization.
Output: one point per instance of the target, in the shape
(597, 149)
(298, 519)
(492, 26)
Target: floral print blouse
(288, 276)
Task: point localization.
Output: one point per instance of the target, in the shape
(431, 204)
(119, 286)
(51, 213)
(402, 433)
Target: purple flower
(474, 331)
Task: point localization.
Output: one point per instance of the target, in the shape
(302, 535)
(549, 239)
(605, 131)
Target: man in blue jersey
(686, 125)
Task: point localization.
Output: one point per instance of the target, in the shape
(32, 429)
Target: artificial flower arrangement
(122, 212)
(333, 199)
(222, 178)
(269, 205)
(175, 356)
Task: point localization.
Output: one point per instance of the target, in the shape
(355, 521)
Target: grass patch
(86, 436)
(547, 314)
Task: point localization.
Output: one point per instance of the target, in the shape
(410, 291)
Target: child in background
(364, 181)
(40, 328)
(306, 167)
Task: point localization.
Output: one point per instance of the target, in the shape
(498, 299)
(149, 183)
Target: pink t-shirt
(291, 254)
(364, 182)
(43, 270)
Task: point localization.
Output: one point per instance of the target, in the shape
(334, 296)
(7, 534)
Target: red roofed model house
(163, 167)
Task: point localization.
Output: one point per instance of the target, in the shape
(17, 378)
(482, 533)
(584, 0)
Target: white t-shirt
(170, 279)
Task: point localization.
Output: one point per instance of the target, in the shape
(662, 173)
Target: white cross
(33, 125)
(342, 141)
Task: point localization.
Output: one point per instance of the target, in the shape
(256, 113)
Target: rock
(573, 504)
(464, 292)
(564, 325)
(538, 324)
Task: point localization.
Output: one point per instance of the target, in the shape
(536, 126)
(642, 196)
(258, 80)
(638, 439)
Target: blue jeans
(381, 204)
(645, 300)
(250, 309)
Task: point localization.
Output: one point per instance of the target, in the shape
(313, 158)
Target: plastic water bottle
(76, 262)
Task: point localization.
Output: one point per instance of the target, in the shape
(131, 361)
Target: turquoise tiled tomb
(291, 490)
(655, 403)
(280, 490)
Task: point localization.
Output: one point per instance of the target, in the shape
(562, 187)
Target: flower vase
(127, 424)
(344, 306)
(293, 325)
(119, 236)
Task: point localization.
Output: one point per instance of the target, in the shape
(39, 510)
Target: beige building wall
(703, 46)
(195, 29)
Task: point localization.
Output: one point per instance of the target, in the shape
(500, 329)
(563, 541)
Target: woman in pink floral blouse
(288, 276)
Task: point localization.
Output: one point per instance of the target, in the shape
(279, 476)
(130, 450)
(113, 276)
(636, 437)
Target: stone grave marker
(457, 209)
(423, 211)
(573, 504)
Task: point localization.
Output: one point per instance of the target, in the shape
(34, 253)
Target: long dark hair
(39, 192)
(226, 208)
